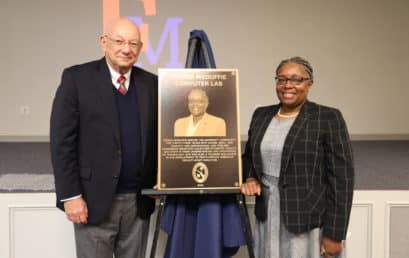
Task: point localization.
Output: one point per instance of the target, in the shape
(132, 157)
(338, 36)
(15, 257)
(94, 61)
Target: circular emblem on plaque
(200, 172)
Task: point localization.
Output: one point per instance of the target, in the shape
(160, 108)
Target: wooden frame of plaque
(198, 129)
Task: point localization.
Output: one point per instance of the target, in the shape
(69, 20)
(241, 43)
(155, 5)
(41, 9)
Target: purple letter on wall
(171, 31)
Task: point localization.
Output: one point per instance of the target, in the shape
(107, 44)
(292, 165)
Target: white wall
(32, 227)
(359, 49)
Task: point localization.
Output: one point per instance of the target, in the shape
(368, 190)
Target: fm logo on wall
(199, 138)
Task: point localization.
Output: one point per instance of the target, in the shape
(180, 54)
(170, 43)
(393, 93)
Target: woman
(298, 163)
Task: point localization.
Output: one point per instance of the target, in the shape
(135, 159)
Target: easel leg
(157, 226)
(246, 225)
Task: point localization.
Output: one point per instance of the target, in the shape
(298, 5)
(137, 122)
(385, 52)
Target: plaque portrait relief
(199, 122)
(198, 133)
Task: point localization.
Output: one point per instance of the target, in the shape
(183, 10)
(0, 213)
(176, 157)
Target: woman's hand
(251, 187)
(330, 247)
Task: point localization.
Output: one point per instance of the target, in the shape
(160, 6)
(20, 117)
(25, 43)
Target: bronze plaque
(199, 138)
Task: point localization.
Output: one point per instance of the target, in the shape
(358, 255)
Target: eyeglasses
(122, 43)
(292, 81)
(197, 102)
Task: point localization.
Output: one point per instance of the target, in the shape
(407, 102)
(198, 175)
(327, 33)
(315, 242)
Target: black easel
(245, 222)
(200, 55)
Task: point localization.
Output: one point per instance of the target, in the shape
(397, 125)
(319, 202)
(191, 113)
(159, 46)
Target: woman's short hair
(297, 60)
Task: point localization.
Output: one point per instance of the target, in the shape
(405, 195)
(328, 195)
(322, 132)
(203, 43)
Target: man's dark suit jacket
(85, 140)
(317, 175)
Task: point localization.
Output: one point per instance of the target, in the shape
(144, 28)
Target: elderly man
(199, 123)
(103, 147)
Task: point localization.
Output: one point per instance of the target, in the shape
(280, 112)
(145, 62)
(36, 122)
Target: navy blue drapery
(206, 226)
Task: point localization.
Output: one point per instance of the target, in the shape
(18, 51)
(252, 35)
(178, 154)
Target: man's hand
(251, 187)
(76, 210)
(330, 247)
(155, 187)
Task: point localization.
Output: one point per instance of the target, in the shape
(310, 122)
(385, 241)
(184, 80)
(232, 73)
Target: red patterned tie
(121, 80)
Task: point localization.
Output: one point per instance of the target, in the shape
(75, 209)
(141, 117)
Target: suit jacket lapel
(292, 136)
(105, 91)
(202, 126)
(143, 103)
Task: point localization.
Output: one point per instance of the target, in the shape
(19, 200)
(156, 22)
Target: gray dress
(272, 240)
